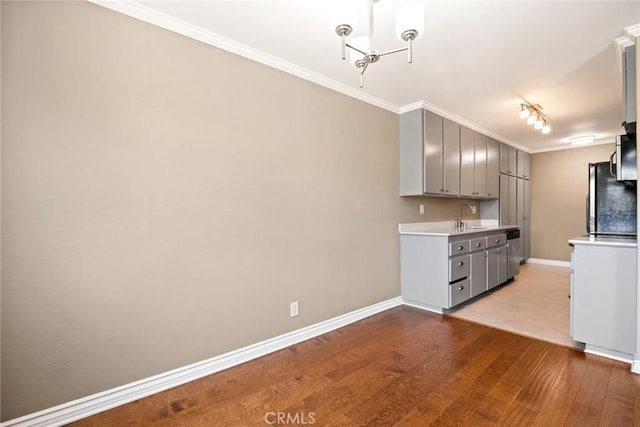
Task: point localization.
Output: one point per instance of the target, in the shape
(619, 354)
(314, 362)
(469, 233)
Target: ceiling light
(534, 115)
(409, 26)
(581, 140)
(524, 112)
(539, 123)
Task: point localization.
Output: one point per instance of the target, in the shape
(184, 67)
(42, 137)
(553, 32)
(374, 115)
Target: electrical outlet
(421, 209)
(293, 309)
(473, 209)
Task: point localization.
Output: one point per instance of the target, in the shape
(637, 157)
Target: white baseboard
(635, 367)
(549, 262)
(99, 402)
(610, 354)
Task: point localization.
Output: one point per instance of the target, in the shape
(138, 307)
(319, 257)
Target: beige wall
(559, 188)
(164, 201)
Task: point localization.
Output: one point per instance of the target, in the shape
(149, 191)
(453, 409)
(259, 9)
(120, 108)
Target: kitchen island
(603, 295)
(442, 266)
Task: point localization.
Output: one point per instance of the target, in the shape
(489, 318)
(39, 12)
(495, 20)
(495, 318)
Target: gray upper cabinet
(493, 168)
(507, 159)
(440, 157)
(629, 106)
(451, 158)
(433, 165)
(419, 132)
(523, 167)
(467, 159)
(480, 165)
(429, 154)
(473, 163)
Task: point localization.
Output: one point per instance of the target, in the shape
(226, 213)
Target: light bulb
(531, 120)
(546, 129)
(361, 43)
(524, 112)
(538, 123)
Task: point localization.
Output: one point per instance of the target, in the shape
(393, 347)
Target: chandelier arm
(344, 46)
(402, 49)
(356, 49)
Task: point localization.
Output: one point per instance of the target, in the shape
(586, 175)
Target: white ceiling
(475, 63)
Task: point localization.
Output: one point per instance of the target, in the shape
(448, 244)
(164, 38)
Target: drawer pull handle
(461, 287)
(478, 245)
(460, 264)
(460, 248)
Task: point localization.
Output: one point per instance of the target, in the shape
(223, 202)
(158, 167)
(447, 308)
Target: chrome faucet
(459, 222)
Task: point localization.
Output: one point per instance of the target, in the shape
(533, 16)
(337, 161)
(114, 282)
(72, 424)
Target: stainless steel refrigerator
(612, 208)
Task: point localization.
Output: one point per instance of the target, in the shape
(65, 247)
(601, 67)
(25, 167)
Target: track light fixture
(534, 115)
(409, 26)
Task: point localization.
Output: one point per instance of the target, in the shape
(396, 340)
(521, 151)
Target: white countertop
(619, 242)
(447, 228)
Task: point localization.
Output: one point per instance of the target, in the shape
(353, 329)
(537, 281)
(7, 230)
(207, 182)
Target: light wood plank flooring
(402, 367)
(536, 304)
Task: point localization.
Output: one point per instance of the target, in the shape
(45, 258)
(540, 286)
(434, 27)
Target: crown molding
(143, 13)
(629, 36)
(572, 147)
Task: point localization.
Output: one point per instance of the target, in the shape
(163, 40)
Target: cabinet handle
(478, 245)
(460, 264)
(461, 287)
(460, 248)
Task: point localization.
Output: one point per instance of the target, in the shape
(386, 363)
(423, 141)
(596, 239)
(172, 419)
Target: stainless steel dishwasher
(515, 254)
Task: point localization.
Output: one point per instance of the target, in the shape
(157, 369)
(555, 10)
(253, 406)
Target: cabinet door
(492, 268)
(478, 273)
(502, 264)
(526, 230)
(507, 159)
(520, 198)
(480, 166)
(523, 162)
(508, 208)
(432, 153)
(451, 150)
(493, 168)
(467, 161)
(604, 297)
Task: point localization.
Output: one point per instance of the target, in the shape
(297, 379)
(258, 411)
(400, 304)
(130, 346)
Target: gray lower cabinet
(603, 297)
(440, 272)
(497, 260)
(478, 273)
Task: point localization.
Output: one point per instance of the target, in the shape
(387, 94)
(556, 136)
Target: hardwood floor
(536, 304)
(403, 367)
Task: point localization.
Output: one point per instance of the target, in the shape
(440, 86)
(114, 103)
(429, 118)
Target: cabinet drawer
(496, 240)
(459, 292)
(458, 267)
(478, 244)
(456, 248)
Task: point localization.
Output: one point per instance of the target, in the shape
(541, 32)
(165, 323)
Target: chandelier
(409, 26)
(533, 114)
